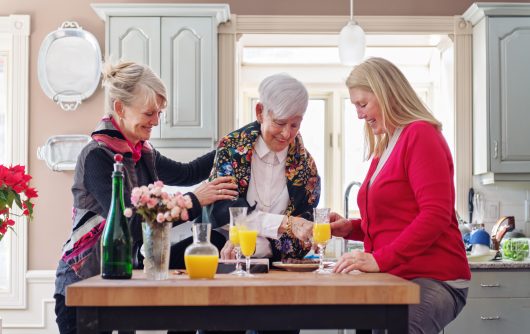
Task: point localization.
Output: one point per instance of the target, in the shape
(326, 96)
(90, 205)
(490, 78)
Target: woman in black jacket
(136, 97)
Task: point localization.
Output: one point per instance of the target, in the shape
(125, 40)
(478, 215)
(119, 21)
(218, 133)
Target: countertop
(500, 264)
(276, 287)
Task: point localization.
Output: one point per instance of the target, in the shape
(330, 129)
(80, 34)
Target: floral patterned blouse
(233, 158)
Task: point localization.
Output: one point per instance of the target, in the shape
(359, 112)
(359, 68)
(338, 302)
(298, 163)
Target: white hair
(283, 96)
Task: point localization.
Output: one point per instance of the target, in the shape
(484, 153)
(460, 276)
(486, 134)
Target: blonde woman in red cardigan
(408, 223)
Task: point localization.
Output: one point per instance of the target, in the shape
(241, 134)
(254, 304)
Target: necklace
(253, 177)
(275, 163)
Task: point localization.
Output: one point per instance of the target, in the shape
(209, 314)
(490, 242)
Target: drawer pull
(494, 285)
(490, 318)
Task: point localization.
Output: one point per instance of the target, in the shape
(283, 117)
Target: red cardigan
(408, 219)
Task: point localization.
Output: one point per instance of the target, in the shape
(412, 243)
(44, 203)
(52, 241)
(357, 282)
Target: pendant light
(351, 42)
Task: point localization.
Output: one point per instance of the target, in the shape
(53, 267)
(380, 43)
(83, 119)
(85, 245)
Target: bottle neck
(117, 191)
(201, 233)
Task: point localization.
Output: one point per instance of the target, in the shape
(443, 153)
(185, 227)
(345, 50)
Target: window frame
(14, 35)
(458, 29)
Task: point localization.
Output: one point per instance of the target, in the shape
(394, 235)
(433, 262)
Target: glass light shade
(352, 42)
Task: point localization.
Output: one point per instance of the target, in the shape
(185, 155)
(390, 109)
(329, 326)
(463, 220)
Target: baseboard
(38, 317)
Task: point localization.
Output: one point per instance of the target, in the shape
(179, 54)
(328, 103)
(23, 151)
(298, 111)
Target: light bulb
(351, 44)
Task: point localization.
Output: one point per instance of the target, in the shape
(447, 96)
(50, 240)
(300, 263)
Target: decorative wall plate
(69, 65)
(61, 152)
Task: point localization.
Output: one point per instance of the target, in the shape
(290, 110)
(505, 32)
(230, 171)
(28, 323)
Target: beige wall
(52, 222)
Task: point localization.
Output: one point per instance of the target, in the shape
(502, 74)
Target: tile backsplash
(504, 199)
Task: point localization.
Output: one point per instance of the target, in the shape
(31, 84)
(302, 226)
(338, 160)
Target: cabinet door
(136, 39)
(509, 99)
(492, 315)
(189, 69)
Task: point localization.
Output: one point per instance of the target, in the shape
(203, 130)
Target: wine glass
(237, 215)
(321, 235)
(248, 234)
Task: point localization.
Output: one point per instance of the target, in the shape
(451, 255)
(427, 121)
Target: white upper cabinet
(179, 42)
(501, 98)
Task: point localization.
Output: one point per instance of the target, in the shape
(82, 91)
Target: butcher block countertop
(273, 288)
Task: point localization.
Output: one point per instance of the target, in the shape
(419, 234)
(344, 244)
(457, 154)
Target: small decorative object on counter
(158, 209)
(516, 249)
(503, 225)
(480, 239)
(116, 244)
(201, 257)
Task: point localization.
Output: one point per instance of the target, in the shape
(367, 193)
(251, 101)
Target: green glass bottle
(116, 244)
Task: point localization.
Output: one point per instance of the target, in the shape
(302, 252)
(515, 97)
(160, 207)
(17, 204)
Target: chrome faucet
(347, 196)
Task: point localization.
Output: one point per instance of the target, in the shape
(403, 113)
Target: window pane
(355, 168)
(313, 133)
(4, 244)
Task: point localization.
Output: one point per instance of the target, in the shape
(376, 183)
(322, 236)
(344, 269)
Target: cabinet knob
(493, 285)
(497, 317)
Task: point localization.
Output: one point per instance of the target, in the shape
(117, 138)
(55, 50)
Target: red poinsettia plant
(14, 190)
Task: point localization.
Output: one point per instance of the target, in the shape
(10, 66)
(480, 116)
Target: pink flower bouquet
(155, 205)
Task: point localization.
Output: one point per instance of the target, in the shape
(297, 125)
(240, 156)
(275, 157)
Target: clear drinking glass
(248, 234)
(237, 216)
(321, 235)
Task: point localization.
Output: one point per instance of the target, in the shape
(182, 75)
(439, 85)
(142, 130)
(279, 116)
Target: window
(331, 131)
(5, 243)
(14, 57)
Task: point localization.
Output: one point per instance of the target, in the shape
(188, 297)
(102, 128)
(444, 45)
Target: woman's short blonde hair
(130, 82)
(399, 103)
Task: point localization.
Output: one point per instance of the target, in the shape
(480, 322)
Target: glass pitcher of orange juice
(201, 257)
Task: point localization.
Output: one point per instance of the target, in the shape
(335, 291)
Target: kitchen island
(274, 301)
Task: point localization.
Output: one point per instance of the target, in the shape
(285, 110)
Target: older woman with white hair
(274, 172)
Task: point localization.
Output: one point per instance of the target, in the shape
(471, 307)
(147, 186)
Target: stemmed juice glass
(237, 215)
(321, 235)
(248, 234)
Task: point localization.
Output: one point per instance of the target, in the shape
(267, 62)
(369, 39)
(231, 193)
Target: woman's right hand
(220, 188)
(228, 252)
(340, 226)
(302, 228)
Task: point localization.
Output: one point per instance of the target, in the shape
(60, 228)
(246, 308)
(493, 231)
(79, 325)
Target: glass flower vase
(201, 257)
(156, 249)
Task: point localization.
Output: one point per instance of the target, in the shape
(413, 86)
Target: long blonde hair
(128, 81)
(399, 103)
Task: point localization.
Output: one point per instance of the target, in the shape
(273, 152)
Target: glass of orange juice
(321, 235)
(248, 234)
(237, 215)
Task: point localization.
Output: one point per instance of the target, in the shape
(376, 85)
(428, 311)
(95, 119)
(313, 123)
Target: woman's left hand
(221, 188)
(356, 260)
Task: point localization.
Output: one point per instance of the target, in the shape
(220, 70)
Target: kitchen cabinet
(501, 77)
(179, 42)
(498, 302)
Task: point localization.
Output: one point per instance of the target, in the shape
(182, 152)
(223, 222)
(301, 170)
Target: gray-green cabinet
(498, 302)
(179, 42)
(501, 97)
